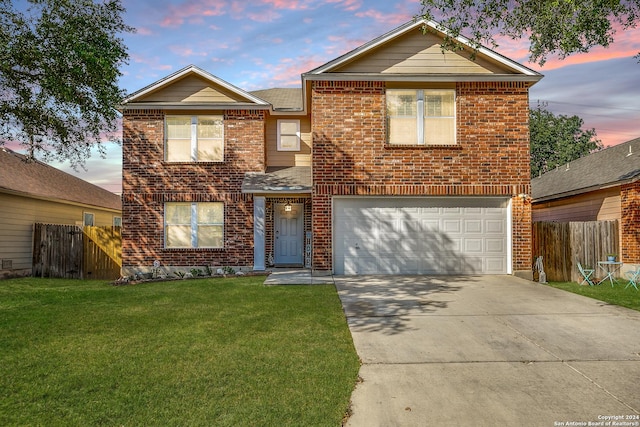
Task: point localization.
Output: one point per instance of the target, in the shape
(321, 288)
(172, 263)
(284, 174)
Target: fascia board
(57, 200)
(194, 106)
(445, 78)
(195, 70)
(411, 26)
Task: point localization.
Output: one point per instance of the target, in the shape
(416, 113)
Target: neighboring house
(605, 185)
(395, 158)
(32, 192)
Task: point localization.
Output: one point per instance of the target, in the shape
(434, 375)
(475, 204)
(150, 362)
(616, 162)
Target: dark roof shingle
(281, 98)
(617, 164)
(37, 179)
(278, 180)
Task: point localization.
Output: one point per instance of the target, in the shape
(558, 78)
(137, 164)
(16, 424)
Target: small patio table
(610, 268)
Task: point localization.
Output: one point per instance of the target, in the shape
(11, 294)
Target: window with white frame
(421, 116)
(194, 225)
(194, 139)
(117, 221)
(288, 135)
(87, 218)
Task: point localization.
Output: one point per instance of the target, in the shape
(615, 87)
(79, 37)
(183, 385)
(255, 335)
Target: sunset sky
(259, 44)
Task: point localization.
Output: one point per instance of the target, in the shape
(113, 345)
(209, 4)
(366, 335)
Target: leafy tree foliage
(59, 65)
(557, 140)
(561, 27)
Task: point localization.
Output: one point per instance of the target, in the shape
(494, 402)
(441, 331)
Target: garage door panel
(451, 226)
(473, 246)
(360, 265)
(494, 246)
(473, 226)
(495, 265)
(472, 265)
(420, 235)
(494, 226)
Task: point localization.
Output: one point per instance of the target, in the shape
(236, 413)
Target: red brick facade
(149, 182)
(351, 157)
(630, 222)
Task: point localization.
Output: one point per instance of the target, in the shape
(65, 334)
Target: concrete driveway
(489, 351)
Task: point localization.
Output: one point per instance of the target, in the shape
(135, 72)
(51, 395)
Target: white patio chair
(634, 277)
(586, 274)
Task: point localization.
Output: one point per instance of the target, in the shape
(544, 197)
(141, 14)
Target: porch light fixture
(288, 207)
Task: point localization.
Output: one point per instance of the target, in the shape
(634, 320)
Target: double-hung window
(194, 225)
(288, 135)
(194, 139)
(421, 116)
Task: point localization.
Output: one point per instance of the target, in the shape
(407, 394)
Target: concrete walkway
(296, 276)
(489, 351)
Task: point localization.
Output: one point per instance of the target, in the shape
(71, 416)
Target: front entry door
(288, 236)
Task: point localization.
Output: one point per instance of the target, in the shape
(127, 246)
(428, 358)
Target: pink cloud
(340, 45)
(151, 62)
(626, 44)
(185, 51)
(192, 11)
(143, 31)
(385, 18)
(263, 16)
(348, 5)
(286, 4)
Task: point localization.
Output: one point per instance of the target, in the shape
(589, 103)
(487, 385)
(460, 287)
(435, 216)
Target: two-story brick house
(395, 158)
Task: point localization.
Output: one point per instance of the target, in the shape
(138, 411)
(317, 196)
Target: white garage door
(420, 235)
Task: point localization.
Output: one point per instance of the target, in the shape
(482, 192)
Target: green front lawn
(616, 295)
(189, 352)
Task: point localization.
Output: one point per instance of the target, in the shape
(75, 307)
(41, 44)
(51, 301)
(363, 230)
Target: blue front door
(288, 234)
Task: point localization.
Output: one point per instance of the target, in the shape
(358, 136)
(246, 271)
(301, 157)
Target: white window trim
(113, 221)
(279, 145)
(194, 138)
(420, 116)
(194, 227)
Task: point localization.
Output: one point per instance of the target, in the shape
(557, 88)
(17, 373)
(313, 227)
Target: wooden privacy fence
(71, 252)
(563, 244)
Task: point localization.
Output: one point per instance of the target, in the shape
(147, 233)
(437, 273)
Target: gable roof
(513, 70)
(39, 180)
(612, 166)
(238, 97)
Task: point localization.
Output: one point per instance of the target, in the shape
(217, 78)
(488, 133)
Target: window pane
(179, 150)
(179, 127)
(178, 213)
(289, 142)
(403, 131)
(439, 103)
(401, 102)
(210, 213)
(88, 219)
(210, 127)
(210, 236)
(210, 150)
(439, 131)
(178, 236)
(288, 128)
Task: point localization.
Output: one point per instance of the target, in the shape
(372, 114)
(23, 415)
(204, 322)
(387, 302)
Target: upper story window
(421, 116)
(194, 139)
(194, 225)
(288, 135)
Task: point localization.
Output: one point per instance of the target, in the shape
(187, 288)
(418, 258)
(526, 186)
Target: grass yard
(190, 352)
(616, 295)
